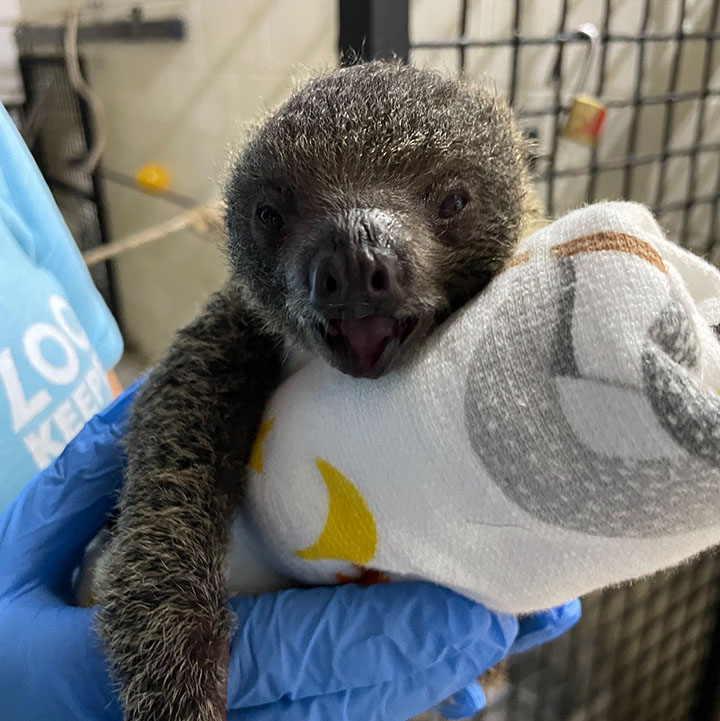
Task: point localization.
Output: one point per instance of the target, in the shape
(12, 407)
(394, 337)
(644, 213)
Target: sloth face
(375, 202)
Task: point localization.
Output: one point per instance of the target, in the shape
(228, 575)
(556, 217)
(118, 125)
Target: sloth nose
(353, 281)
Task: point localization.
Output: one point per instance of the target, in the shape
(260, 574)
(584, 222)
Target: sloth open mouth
(365, 347)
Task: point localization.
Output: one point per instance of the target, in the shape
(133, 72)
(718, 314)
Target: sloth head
(377, 200)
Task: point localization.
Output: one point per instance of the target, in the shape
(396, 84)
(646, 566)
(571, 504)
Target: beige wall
(184, 103)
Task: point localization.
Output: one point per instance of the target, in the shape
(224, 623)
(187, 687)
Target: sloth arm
(164, 617)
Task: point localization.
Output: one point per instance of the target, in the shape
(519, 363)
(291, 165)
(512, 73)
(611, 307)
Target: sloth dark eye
(269, 217)
(453, 204)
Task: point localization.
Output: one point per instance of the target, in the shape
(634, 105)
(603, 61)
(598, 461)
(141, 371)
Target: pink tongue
(367, 337)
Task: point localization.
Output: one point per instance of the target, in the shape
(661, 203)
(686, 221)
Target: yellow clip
(153, 177)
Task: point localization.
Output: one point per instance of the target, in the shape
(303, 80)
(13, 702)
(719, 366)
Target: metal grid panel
(61, 137)
(640, 653)
(639, 168)
(648, 652)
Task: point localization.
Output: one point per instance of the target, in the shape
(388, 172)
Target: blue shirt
(57, 336)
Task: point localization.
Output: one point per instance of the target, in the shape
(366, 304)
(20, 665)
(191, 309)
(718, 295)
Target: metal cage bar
(373, 29)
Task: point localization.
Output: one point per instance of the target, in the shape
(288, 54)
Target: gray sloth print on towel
(604, 427)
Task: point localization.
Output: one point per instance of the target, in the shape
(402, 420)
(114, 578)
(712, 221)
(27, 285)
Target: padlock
(585, 120)
(586, 117)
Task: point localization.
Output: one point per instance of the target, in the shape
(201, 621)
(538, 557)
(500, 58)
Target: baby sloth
(375, 202)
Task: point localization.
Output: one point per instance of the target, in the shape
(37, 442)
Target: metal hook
(587, 32)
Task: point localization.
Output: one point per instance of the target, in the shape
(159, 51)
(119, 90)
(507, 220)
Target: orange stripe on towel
(608, 240)
(518, 259)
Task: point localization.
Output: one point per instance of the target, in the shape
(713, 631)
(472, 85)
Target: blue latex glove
(385, 652)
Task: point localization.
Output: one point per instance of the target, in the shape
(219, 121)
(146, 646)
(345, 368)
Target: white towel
(558, 435)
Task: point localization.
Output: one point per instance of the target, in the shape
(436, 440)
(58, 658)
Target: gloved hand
(385, 652)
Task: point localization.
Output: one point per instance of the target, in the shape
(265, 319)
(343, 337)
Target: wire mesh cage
(59, 133)
(642, 652)
(650, 651)
(654, 71)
